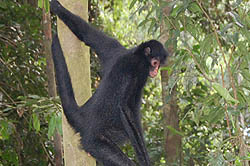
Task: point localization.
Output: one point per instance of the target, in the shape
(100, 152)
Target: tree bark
(170, 107)
(51, 80)
(78, 62)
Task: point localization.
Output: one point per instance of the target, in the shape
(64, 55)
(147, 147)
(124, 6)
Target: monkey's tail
(63, 82)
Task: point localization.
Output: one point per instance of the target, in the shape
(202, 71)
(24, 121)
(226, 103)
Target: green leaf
(174, 131)
(236, 4)
(4, 126)
(3, 5)
(143, 23)
(166, 68)
(207, 44)
(194, 8)
(246, 33)
(235, 38)
(156, 2)
(224, 29)
(52, 126)
(40, 3)
(236, 18)
(36, 122)
(150, 29)
(34, 96)
(217, 160)
(7, 109)
(47, 5)
(191, 28)
(44, 4)
(176, 10)
(59, 124)
(224, 93)
(132, 4)
(215, 115)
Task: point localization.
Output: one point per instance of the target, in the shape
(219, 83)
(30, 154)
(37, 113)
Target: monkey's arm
(135, 136)
(102, 44)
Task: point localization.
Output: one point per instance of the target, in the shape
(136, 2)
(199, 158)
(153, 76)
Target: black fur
(112, 115)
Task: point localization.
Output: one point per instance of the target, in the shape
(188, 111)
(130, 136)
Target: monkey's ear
(147, 51)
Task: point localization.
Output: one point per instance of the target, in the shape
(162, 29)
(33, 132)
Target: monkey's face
(156, 55)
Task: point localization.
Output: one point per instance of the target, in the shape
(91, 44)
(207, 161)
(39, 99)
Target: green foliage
(44, 4)
(224, 93)
(211, 69)
(24, 118)
(152, 121)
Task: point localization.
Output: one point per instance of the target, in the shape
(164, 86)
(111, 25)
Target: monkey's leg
(107, 152)
(136, 137)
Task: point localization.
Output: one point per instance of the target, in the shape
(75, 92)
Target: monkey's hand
(55, 6)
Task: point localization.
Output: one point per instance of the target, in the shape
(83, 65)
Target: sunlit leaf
(194, 7)
(4, 130)
(59, 124)
(174, 131)
(236, 18)
(156, 2)
(143, 23)
(34, 96)
(176, 10)
(224, 93)
(36, 122)
(47, 5)
(52, 126)
(44, 4)
(40, 3)
(132, 4)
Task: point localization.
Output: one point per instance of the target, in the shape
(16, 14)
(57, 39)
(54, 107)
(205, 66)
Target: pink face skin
(155, 63)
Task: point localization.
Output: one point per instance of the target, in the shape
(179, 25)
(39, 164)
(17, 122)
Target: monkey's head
(155, 54)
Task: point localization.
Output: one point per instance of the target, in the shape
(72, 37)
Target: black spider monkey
(112, 115)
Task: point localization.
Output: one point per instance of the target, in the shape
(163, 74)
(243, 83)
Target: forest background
(197, 108)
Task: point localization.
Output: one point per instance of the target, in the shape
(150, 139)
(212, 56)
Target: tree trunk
(170, 107)
(77, 58)
(51, 80)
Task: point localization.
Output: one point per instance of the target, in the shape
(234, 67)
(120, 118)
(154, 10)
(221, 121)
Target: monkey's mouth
(153, 72)
(155, 65)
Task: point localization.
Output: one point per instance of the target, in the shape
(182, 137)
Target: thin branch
(227, 118)
(231, 76)
(47, 153)
(7, 95)
(7, 41)
(170, 21)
